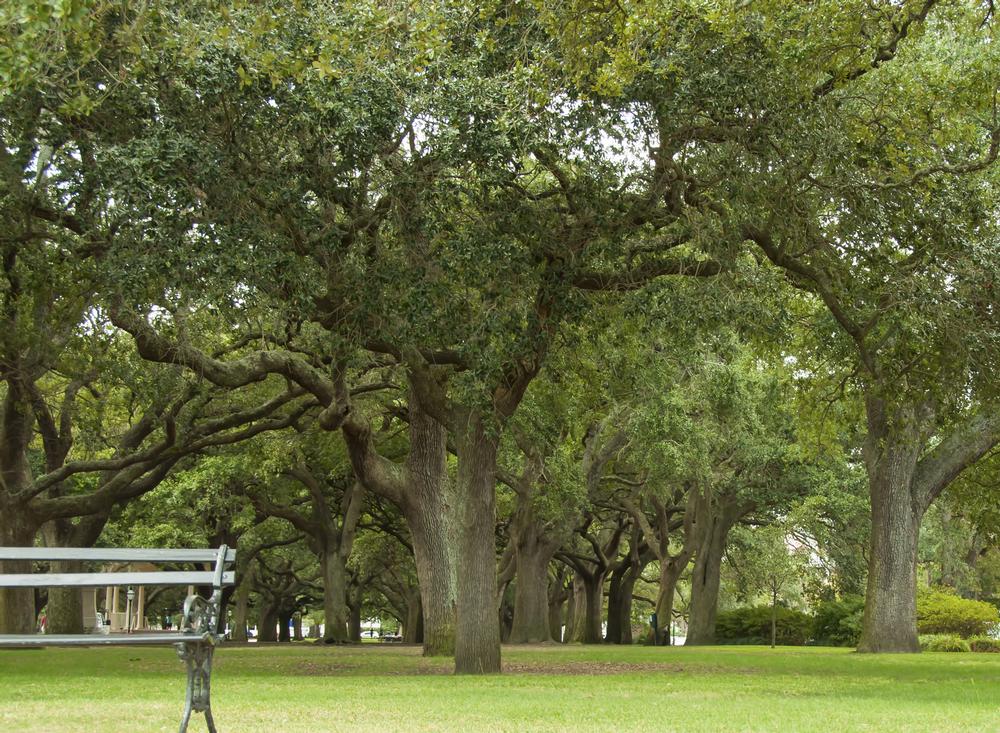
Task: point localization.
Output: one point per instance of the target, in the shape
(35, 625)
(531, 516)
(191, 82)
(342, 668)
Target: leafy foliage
(752, 625)
(940, 611)
(838, 622)
(943, 643)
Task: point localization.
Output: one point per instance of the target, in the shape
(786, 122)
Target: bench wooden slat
(112, 554)
(100, 580)
(37, 640)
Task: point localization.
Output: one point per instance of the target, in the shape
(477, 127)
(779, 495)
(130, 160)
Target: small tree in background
(766, 565)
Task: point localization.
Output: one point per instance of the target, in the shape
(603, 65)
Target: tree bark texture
(17, 605)
(284, 626)
(593, 594)
(890, 616)
(670, 573)
(422, 489)
(532, 555)
(428, 509)
(354, 624)
(241, 609)
(334, 570)
(531, 598)
(267, 624)
(713, 528)
(477, 638)
(413, 625)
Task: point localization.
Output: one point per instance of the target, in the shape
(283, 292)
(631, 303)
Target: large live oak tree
(402, 198)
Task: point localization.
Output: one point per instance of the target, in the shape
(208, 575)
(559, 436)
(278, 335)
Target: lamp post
(129, 596)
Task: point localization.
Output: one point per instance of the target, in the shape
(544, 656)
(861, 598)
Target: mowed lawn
(281, 689)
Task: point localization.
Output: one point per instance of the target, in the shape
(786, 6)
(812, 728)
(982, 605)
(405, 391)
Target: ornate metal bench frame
(197, 636)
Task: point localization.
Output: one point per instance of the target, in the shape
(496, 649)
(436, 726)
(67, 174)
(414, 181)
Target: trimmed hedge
(940, 611)
(752, 625)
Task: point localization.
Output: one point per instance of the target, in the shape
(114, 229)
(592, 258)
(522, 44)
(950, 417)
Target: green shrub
(838, 623)
(752, 625)
(984, 644)
(940, 611)
(943, 643)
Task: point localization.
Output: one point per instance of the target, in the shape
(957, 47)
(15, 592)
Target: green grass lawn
(605, 688)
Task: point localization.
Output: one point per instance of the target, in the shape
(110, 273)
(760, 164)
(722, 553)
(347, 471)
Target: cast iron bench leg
(198, 657)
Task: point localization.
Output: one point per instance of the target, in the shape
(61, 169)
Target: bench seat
(147, 639)
(197, 635)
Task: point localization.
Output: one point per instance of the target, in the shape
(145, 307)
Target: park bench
(196, 636)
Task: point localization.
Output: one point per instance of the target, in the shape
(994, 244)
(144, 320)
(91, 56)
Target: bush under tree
(941, 611)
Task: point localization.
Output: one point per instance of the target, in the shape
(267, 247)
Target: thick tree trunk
(890, 618)
(64, 609)
(902, 484)
(616, 602)
(426, 516)
(284, 627)
(532, 555)
(412, 627)
(705, 583)
(505, 617)
(593, 593)
(354, 624)
(17, 605)
(267, 624)
(297, 627)
(531, 602)
(64, 606)
(622, 584)
(334, 597)
(557, 615)
(424, 494)
(670, 573)
(418, 634)
(241, 609)
(477, 637)
(576, 613)
(430, 515)
(225, 601)
(625, 609)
